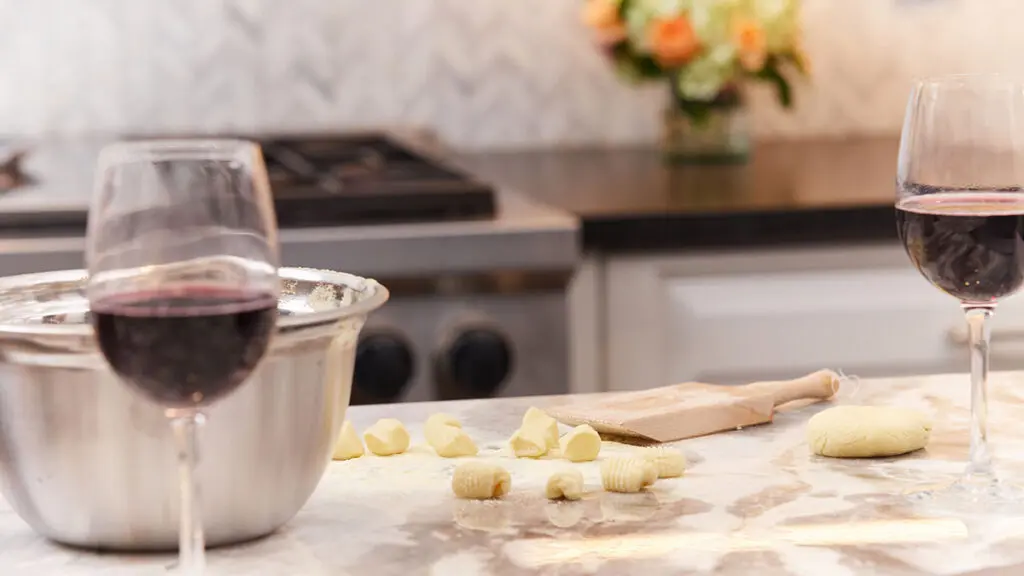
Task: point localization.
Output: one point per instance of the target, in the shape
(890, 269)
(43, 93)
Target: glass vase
(706, 132)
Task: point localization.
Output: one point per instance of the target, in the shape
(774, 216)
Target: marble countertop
(754, 501)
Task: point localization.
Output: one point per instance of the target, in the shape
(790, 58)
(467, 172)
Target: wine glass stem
(980, 466)
(191, 548)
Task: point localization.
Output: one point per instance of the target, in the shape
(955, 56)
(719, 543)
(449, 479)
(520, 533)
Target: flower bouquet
(706, 50)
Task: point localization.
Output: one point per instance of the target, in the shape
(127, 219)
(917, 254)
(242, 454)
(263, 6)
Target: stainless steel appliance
(467, 336)
(85, 461)
(478, 272)
(317, 181)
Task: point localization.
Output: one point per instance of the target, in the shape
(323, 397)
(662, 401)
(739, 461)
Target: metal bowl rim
(375, 296)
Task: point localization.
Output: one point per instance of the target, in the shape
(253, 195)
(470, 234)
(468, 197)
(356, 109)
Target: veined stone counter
(754, 502)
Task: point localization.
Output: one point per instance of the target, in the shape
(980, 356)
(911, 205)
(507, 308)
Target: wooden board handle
(820, 385)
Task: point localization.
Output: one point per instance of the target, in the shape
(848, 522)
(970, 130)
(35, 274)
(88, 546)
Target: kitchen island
(753, 501)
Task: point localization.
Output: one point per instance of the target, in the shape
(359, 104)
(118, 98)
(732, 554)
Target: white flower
(781, 21)
(705, 77)
(712, 20)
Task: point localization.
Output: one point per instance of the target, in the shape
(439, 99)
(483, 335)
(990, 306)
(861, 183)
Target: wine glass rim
(177, 148)
(971, 79)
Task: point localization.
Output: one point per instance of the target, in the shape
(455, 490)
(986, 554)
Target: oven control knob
(475, 364)
(384, 368)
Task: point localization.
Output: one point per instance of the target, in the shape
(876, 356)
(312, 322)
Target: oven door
(466, 338)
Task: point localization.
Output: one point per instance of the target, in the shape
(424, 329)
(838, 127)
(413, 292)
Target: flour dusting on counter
(753, 502)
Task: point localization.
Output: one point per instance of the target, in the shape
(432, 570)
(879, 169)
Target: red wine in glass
(187, 346)
(968, 243)
(182, 254)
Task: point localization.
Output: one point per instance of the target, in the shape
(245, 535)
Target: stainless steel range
(478, 275)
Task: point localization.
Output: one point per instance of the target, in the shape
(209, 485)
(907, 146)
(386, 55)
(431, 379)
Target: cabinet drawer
(868, 322)
(745, 316)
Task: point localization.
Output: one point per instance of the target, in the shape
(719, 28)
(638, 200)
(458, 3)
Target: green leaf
(699, 113)
(798, 64)
(635, 66)
(771, 74)
(624, 8)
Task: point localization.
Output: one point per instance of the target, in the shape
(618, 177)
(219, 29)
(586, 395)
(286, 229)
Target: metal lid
(53, 305)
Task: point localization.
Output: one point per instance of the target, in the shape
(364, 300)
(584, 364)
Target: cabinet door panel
(867, 322)
(743, 316)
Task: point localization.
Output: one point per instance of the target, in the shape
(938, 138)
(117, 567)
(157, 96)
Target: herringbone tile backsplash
(482, 73)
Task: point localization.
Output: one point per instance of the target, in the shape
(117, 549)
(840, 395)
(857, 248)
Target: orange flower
(600, 13)
(603, 16)
(673, 41)
(749, 37)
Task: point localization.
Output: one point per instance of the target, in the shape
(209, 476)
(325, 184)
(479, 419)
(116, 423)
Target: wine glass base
(970, 495)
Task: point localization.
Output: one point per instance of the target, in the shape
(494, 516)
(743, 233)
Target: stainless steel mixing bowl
(86, 462)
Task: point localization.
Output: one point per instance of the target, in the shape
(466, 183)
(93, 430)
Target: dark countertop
(789, 193)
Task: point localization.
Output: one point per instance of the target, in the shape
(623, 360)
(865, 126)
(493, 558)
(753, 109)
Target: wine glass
(182, 255)
(960, 215)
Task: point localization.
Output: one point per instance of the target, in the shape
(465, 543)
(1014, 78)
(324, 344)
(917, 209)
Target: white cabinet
(745, 316)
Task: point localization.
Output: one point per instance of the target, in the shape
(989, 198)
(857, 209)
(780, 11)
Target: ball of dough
(670, 463)
(567, 485)
(452, 442)
(581, 444)
(867, 431)
(528, 443)
(387, 437)
(480, 481)
(538, 420)
(348, 444)
(628, 474)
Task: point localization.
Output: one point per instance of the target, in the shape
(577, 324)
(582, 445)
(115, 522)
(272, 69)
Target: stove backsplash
(482, 73)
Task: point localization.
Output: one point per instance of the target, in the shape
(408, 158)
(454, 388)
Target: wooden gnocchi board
(693, 408)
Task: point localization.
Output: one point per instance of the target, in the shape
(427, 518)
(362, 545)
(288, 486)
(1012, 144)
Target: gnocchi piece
(387, 437)
(480, 481)
(538, 421)
(436, 424)
(627, 474)
(581, 444)
(451, 442)
(670, 463)
(566, 485)
(528, 443)
(348, 444)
